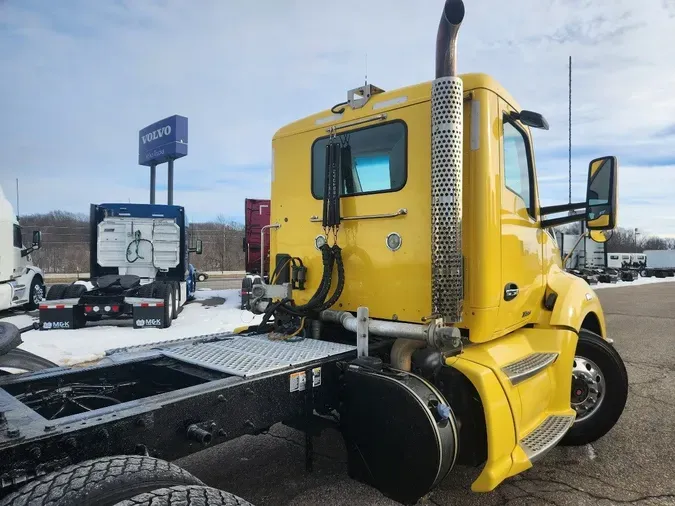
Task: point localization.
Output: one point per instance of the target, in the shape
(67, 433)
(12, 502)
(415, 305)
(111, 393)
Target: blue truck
(139, 269)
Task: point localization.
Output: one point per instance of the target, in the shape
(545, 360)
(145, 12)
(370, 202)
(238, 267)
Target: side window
(378, 160)
(517, 170)
(18, 242)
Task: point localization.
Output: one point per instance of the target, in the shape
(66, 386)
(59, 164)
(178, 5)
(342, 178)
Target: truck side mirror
(37, 239)
(531, 119)
(601, 205)
(197, 248)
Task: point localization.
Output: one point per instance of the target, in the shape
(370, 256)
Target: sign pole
(170, 183)
(153, 176)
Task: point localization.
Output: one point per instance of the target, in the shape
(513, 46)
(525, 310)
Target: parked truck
(658, 263)
(434, 323)
(21, 282)
(139, 269)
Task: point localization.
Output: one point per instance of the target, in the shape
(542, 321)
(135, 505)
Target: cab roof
(390, 100)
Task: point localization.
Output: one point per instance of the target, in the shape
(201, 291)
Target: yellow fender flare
(575, 300)
(499, 424)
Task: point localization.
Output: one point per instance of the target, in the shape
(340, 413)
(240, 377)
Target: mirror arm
(564, 220)
(561, 208)
(567, 257)
(27, 251)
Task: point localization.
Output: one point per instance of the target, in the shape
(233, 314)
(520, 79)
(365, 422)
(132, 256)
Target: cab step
(529, 366)
(538, 442)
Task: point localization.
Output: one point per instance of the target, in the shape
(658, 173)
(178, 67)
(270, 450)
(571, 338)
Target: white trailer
(619, 260)
(659, 263)
(21, 282)
(587, 254)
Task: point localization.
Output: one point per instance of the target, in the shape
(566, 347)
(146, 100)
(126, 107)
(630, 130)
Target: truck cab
(21, 282)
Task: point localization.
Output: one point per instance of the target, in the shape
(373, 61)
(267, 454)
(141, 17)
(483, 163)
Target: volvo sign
(162, 141)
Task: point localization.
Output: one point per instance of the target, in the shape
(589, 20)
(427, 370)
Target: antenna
(569, 157)
(17, 199)
(366, 83)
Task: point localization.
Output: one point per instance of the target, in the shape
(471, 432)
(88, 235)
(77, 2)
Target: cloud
(81, 78)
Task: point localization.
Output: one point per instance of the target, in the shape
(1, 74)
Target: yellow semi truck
(425, 198)
(417, 304)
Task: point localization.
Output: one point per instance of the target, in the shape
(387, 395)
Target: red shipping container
(256, 216)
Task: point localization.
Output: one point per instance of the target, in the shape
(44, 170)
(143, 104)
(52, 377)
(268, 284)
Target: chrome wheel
(588, 388)
(38, 294)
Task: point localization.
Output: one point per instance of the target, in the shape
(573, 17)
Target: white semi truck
(21, 282)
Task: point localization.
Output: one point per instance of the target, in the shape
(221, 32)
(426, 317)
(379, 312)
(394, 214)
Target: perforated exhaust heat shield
(446, 198)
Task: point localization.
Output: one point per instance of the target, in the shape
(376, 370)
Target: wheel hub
(588, 387)
(38, 295)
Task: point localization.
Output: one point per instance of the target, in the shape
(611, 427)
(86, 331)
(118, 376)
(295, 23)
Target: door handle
(510, 291)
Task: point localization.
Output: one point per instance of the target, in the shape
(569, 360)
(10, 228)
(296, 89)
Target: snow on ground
(638, 281)
(213, 311)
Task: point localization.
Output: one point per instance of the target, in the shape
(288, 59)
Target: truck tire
(146, 290)
(597, 367)
(100, 482)
(164, 291)
(74, 291)
(176, 299)
(56, 292)
(191, 495)
(24, 361)
(36, 293)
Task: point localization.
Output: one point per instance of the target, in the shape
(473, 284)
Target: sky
(81, 78)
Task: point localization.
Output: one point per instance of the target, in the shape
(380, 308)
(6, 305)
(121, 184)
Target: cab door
(19, 261)
(521, 234)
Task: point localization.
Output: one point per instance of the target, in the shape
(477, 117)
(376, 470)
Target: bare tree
(65, 242)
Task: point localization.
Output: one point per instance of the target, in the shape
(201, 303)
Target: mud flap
(400, 433)
(149, 314)
(61, 314)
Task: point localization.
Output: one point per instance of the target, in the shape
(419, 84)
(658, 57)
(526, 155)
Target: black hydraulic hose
(337, 254)
(320, 305)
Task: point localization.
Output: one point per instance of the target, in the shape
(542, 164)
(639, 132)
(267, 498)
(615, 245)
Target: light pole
(636, 234)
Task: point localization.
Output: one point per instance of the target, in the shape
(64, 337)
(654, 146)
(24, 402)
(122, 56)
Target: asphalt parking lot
(633, 464)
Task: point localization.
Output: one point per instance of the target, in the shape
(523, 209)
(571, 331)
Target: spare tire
(191, 495)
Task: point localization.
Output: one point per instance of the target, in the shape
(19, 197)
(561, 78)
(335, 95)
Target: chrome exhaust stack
(447, 103)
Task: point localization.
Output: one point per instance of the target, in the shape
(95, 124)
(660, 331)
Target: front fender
(574, 302)
(33, 271)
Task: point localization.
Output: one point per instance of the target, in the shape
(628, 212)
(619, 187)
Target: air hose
(137, 241)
